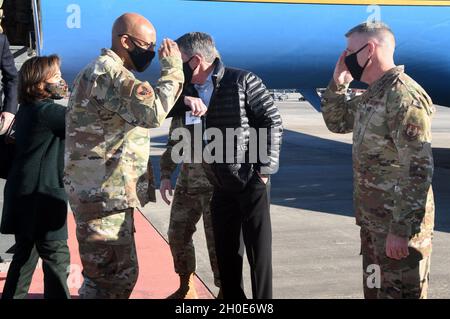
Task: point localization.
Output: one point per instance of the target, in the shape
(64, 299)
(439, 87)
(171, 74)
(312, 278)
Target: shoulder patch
(412, 131)
(144, 91)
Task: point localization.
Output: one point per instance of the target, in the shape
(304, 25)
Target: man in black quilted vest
(242, 132)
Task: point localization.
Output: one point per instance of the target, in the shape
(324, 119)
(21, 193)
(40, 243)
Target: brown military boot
(186, 290)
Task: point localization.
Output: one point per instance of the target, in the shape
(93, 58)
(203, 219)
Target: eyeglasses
(145, 45)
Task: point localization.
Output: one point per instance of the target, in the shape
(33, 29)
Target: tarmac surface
(315, 239)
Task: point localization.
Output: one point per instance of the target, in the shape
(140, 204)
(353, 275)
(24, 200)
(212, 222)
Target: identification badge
(191, 119)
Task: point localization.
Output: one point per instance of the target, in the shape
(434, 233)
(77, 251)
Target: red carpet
(157, 278)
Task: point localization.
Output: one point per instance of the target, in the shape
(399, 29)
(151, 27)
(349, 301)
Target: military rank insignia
(126, 87)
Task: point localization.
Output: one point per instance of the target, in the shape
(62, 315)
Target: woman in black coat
(35, 203)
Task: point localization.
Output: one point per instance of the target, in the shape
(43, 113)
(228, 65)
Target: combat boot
(186, 290)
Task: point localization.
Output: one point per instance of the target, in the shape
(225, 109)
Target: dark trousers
(55, 262)
(247, 212)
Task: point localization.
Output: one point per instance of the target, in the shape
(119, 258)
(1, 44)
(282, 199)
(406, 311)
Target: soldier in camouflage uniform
(193, 191)
(392, 162)
(191, 201)
(107, 167)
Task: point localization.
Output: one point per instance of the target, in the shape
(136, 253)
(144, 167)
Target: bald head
(135, 25)
(132, 31)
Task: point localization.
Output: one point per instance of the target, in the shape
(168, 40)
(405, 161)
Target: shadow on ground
(316, 174)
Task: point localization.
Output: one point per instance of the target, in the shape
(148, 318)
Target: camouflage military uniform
(107, 166)
(393, 168)
(191, 200)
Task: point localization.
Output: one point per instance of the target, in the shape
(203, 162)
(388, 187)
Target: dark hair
(34, 72)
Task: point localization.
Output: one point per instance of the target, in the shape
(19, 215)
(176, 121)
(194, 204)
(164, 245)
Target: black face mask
(351, 61)
(140, 57)
(58, 90)
(188, 72)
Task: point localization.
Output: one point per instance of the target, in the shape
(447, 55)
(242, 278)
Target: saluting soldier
(107, 170)
(392, 162)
